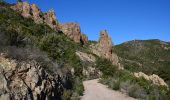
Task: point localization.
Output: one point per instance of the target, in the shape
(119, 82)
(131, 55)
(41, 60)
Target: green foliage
(78, 86)
(60, 48)
(19, 32)
(57, 45)
(125, 81)
(106, 67)
(149, 56)
(135, 87)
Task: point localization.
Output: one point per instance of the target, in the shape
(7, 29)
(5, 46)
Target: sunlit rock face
(18, 7)
(83, 39)
(104, 48)
(72, 30)
(32, 11)
(51, 20)
(155, 79)
(27, 80)
(24, 8)
(36, 13)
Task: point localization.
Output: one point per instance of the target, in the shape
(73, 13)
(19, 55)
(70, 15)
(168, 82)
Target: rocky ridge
(72, 30)
(27, 80)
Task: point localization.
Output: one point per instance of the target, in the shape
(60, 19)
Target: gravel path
(98, 91)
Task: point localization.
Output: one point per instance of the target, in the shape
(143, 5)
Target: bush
(78, 86)
(135, 87)
(106, 67)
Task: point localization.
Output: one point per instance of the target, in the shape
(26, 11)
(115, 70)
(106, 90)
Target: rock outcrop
(26, 10)
(32, 11)
(18, 7)
(50, 19)
(83, 39)
(155, 79)
(104, 48)
(86, 57)
(27, 80)
(73, 31)
(36, 14)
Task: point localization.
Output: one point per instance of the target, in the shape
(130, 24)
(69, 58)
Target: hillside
(148, 56)
(43, 59)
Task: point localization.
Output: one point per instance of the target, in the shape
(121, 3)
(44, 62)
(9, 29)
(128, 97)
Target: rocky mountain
(41, 58)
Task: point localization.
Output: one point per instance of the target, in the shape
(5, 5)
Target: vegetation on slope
(149, 56)
(126, 82)
(23, 34)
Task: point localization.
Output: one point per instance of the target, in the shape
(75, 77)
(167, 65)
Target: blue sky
(124, 19)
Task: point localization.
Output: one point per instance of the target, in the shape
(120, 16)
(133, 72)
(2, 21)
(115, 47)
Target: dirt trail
(98, 91)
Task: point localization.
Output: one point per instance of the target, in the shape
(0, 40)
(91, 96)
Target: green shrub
(78, 86)
(106, 67)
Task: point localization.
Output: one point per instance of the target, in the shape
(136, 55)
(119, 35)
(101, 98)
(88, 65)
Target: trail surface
(98, 91)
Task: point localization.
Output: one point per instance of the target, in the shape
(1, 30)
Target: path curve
(98, 91)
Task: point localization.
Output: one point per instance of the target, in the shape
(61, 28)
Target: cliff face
(27, 80)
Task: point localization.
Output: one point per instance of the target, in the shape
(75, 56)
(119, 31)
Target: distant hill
(149, 56)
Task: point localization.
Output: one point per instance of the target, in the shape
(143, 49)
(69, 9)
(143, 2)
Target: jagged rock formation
(26, 10)
(50, 19)
(18, 7)
(73, 31)
(27, 80)
(83, 39)
(36, 14)
(104, 48)
(155, 79)
(32, 11)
